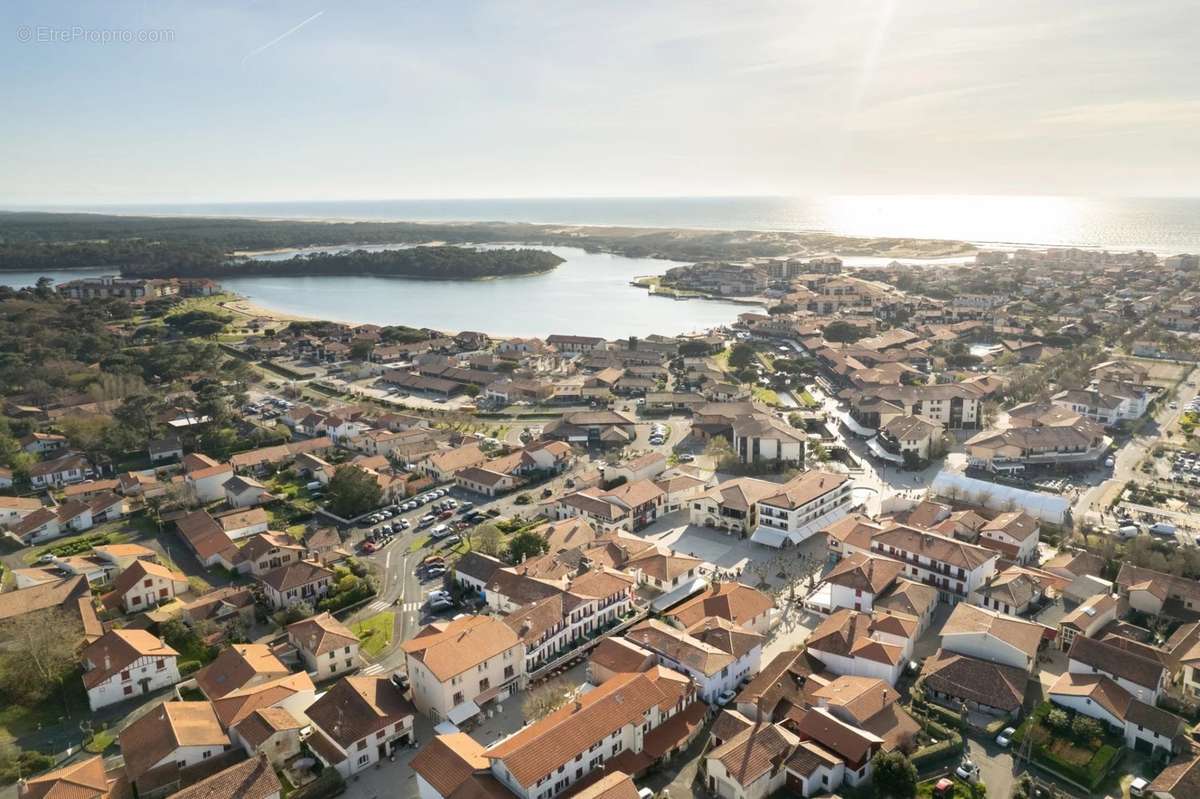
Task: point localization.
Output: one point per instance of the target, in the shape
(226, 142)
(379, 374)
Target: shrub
(1085, 729)
(927, 756)
(186, 667)
(1058, 720)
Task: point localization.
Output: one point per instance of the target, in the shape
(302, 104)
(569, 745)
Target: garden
(1071, 745)
(375, 634)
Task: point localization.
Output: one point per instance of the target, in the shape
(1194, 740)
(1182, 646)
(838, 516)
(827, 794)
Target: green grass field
(375, 633)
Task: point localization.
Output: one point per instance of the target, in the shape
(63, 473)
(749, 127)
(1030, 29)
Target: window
(125, 674)
(128, 690)
(147, 583)
(484, 684)
(458, 698)
(207, 754)
(363, 759)
(160, 665)
(362, 745)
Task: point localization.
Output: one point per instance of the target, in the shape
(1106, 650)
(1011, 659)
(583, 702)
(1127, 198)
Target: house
(171, 737)
(1142, 677)
(245, 492)
(123, 664)
(265, 552)
(732, 506)
(753, 764)
(144, 585)
(860, 644)
(628, 507)
(358, 722)
(205, 478)
(954, 567)
(251, 779)
(567, 343)
(442, 465)
(1146, 728)
(1179, 780)
(1153, 592)
(240, 524)
(913, 599)
(849, 535)
(449, 763)
(238, 667)
(988, 635)
(71, 594)
(222, 606)
(271, 731)
(909, 437)
(616, 655)
(1052, 439)
(592, 429)
(326, 646)
(761, 437)
(14, 509)
(637, 719)
(293, 583)
(82, 779)
(679, 490)
(166, 449)
(1087, 619)
(485, 481)
(717, 655)
(475, 570)
(42, 443)
(457, 667)
(801, 507)
(986, 687)
(46, 524)
(734, 602)
(644, 467)
(1014, 534)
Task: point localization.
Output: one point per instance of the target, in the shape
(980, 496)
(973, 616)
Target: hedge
(188, 666)
(935, 753)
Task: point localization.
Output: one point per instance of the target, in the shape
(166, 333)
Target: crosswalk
(379, 606)
(411, 607)
(374, 668)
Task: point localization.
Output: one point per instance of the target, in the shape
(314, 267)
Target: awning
(768, 536)
(673, 598)
(856, 428)
(878, 450)
(446, 728)
(460, 713)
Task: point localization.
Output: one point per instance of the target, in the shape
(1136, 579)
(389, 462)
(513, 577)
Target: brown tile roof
(680, 647)
(600, 583)
(805, 488)
(356, 707)
(788, 680)
(139, 570)
(754, 752)
(321, 634)
(621, 655)
(1180, 779)
(568, 534)
(449, 649)
(264, 722)
(63, 593)
(614, 785)
(976, 680)
(534, 751)
(741, 493)
(236, 667)
(909, 597)
(1100, 689)
(85, 779)
(851, 743)
(251, 779)
(859, 698)
(929, 545)
(854, 529)
(448, 761)
(167, 727)
(1025, 636)
(117, 650)
(236, 705)
(1115, 661)
(731, 601)
(205, 536)
(295, 575)
(863, 572)
(726, 636)
(206, 605)
(809, 756)
(1015, 524)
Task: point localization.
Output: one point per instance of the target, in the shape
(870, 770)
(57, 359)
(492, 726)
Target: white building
(802, 507)
(123, 664)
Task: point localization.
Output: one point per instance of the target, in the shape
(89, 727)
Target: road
(1131, 454)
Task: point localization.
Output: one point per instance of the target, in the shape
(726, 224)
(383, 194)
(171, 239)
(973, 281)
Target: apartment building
(626, 715)
(459, 666)
(954, 567)
(801, 507)
(717, 655)
(732, 506)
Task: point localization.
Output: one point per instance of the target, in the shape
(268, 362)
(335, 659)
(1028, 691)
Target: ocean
(1163, 225)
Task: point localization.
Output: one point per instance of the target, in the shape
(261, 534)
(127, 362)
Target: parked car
(368, 547)
(441, 531)
(440, 605)
(1005, 736)
(1138, 786)
(968, 771)
(437, 570)
(439, 593)
(726, 696)
(452, 540)
(400, 681)
(446, 514)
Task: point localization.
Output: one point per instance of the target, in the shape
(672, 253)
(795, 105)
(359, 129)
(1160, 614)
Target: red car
(446, 514)
(369, 547)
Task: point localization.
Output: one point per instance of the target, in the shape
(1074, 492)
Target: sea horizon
(1165, 225)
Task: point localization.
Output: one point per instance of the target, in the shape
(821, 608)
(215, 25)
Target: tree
(353, 492)
(40, 655)
(722, 454)
(1058, 720)
(526, 544)
(544, 700)
(140, 413)
(361, 350)
(487, 539)
(895, 776)
(741, 355)
(1086, 729)
(842, 333)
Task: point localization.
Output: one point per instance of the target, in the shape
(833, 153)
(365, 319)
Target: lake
(588, 295)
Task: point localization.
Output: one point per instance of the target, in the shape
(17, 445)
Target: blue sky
(516, 99)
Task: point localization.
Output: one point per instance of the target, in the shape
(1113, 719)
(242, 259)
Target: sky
(174, 101)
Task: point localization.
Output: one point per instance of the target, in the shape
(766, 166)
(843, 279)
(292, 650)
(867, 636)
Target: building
(1014, 534)
(170, 738)
(732, 601)
(83, 779)
(858, 644)
(359, 721)
(626, 719)
(1142, 677)
(327, 647)
(143, 585)
(992, 636)
(1087, 619)
(801, 507)
(855, 581)
(62, 470)
(295, 583)
(237, 668)
(762, 438)
(251, 779)
(732, 506)
(955, 568)
(457, 667)
(123, 664)
(715, 654)
(986, 687)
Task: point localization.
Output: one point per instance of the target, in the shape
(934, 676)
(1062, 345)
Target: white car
(438, 594)
(967, 771)
(725, 697)
(1005, 736)
(1138, 786)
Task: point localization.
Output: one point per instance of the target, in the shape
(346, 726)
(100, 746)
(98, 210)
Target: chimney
(578, 706)
(107, 662)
